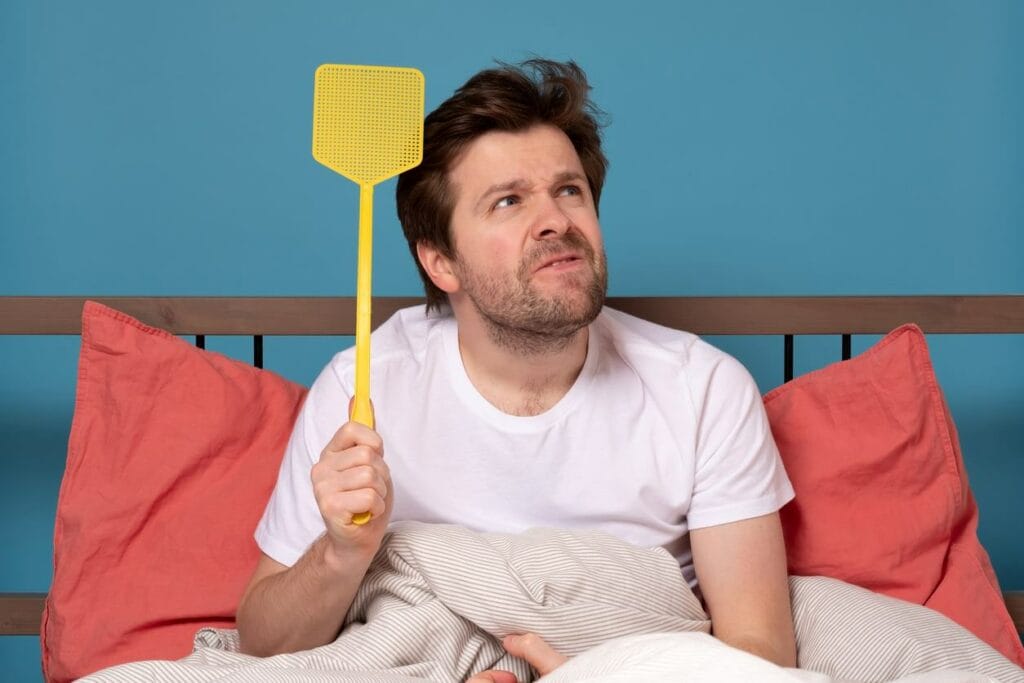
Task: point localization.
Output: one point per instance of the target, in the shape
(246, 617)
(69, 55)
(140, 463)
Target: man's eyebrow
(507, 186)
(515, 184)
(566, 176)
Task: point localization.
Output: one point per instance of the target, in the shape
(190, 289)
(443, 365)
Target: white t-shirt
(660, 433)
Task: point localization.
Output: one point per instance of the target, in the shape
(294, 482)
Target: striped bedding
(437, 598)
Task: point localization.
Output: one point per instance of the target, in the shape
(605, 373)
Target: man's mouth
(559, 261)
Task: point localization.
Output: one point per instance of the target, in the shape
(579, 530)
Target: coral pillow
(882, 499)
(172, 455)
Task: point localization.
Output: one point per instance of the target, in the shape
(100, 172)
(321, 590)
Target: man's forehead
(539, 154)
(545, 134)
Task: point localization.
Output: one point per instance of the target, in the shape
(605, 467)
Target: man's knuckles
(353, 456)
(362, 454)
(359, 477)
(341, 488)
(354, 434)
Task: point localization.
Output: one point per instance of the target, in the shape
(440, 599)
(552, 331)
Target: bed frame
(20, 613)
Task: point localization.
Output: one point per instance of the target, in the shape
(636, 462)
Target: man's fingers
(357, 457)
(530, 647)
(341, 506)
(355, 434)
(363, 477)
(534, 650)
(493, 676)
(350, 471)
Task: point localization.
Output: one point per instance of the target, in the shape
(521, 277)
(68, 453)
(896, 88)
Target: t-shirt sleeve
(291, 520)
(739, 473)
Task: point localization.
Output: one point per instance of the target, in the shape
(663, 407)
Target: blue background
(793, 147)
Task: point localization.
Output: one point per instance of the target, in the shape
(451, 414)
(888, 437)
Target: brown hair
(508, 98)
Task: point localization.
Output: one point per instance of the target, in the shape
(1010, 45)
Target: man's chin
(575, 315)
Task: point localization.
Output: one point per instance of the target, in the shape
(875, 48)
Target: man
(518, 400)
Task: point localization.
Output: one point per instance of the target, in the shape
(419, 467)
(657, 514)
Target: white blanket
(438, 598)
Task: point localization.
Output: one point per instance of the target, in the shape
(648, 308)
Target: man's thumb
(534, 650)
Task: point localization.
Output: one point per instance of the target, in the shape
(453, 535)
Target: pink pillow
(882, 499)
(172, 455)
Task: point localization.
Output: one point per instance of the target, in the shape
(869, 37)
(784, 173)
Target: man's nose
(550, 221)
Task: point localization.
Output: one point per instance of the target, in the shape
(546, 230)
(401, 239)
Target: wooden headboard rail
(313, 316)
(702, 315)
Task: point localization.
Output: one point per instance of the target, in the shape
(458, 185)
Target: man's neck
(522, 378)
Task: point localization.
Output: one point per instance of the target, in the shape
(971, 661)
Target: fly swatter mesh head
(368, 120)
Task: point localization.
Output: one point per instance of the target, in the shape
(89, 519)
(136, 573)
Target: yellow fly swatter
(367, 126)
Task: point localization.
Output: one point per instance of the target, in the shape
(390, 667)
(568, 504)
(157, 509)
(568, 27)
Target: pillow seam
(939, 413)
(73, 456)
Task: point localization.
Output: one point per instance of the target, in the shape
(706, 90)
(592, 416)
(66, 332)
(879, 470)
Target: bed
(258, 317)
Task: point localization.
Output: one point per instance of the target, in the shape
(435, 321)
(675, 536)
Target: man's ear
(438, 267)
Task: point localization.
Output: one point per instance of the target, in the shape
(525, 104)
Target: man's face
(527, 244)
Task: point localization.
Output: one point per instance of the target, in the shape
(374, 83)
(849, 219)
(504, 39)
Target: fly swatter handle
(362, 411)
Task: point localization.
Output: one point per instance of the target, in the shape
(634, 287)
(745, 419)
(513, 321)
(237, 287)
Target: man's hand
(352, 477)
(530, 647)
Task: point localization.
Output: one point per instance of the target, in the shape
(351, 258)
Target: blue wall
(793, 147)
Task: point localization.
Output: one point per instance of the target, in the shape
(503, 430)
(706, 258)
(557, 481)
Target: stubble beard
(521, 319)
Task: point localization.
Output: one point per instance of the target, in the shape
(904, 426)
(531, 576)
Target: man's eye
(506, 201)
(571, 190)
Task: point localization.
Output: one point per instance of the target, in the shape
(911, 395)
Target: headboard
(257, 317)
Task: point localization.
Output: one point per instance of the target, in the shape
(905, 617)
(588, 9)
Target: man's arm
(741, 569)
(289, 609)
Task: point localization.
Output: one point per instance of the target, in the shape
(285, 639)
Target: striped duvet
(438, 598)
